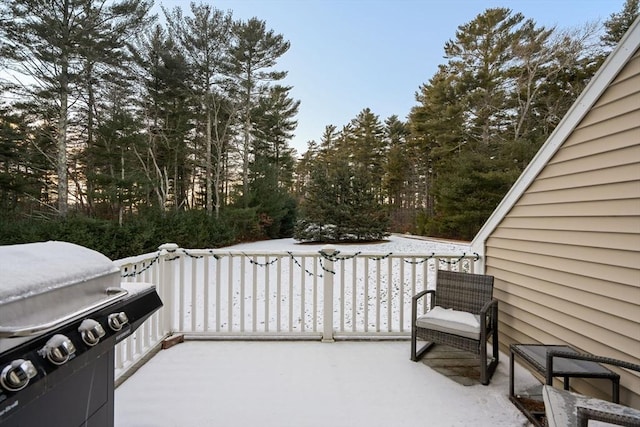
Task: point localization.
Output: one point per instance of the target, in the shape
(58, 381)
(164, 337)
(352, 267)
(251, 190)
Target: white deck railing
(327, 294)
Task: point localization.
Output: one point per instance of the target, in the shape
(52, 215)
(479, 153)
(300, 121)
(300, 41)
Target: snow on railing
(232, 294)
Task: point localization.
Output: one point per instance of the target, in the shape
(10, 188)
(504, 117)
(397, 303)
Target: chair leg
(417, 355)
(487, 370)
(495, 346)
(484, 369)
(413, 343)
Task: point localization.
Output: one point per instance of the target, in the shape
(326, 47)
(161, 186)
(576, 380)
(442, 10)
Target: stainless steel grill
(62, 310)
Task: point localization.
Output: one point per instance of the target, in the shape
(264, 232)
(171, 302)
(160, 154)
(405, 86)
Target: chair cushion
(451, 321)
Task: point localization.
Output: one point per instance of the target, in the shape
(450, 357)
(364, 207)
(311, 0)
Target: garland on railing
(334, 257)
(310, 273)
(210, 252)
(421, 261)
(261, 264)
(325, 268)
(192, 255)
(444, 261)
(144, 268)
(456, 261)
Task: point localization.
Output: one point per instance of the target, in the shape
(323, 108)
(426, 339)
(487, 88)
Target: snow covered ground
(395, 243)
(309, 383)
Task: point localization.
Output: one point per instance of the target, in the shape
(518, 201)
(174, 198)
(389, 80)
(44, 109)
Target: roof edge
(607, 72)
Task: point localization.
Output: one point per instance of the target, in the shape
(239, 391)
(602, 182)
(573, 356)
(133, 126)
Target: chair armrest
(420, 294)
(493, 305)
(587, 357)
(585, 414)
(490, 307)
(414, 304)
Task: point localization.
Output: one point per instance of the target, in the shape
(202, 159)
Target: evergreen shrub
(138, 234)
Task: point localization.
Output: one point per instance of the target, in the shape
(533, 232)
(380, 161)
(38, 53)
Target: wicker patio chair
(565, 408)
(584, 415)
(461, 313)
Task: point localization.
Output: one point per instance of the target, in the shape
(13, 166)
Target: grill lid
(43, 285)
(35, 268)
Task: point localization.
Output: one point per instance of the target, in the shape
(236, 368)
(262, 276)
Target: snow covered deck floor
(305, 384)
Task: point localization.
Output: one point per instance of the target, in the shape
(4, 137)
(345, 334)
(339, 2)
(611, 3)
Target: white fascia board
(589, 96)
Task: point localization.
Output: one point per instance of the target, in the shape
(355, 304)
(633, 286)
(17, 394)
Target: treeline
(506, 84)
(110, 117)
(114, 113)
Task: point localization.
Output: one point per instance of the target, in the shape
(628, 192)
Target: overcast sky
(347, 55)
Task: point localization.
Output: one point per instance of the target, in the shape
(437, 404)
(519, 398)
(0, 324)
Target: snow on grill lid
(34, 268)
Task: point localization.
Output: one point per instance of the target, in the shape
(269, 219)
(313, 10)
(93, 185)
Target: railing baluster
(182, 312)
(341, 297)
(205, 280)
(218, 286)
(354, 294)
(302, 294)
(378, 286)
(314, 318)
(230, 295)
(390, 262)
(401, 296)
(254, 296)
(242, 301)
(194, 299)
(267, 296)
(366, 294)
(279, 294)
(291, 314)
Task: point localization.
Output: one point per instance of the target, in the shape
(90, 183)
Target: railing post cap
(169, 247)
(328, 249)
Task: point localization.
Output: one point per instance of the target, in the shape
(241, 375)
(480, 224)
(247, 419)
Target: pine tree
(437, 130)
(340, 206)
(18, 180)
(399, 171)
(364, 143)
(254, 53)
(464, 121)
(53, 43)
(117, 182)
(342, 201)
(106, 68)
(205, 40)
(271, 170)
(479, 56)
(618, 23)
(168, 121)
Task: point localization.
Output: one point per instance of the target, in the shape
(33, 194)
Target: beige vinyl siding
(566, 257)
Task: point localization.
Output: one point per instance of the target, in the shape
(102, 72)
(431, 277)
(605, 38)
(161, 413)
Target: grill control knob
(117, 320)
(91, 332)
(58, 349)
(16, 376)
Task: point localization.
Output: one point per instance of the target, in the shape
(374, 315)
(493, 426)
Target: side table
(535, 355)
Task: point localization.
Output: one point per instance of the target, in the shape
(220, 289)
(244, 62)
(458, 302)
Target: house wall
(566, 258)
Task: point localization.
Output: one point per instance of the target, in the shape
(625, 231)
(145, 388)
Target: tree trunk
(245, 160)
(208, 165)
(61, 144)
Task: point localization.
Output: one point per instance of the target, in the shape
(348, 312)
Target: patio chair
(461, 313)
(565, 408)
